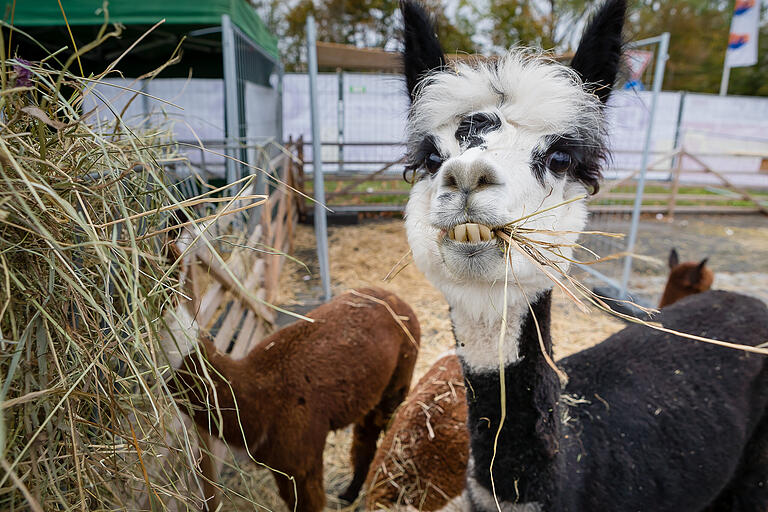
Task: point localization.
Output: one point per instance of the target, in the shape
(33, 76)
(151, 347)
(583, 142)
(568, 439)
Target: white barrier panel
(296, 112)
(194, 108)
(628, 114)
(375, 110)
(726, 124)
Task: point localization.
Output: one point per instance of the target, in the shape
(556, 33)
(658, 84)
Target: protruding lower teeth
(471, 233)
(460, 233)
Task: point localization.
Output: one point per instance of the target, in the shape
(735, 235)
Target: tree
(363, 23)
(545, 24)
(698, 28)
(698, 31)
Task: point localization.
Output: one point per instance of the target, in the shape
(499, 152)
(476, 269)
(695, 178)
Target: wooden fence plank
(247, 318)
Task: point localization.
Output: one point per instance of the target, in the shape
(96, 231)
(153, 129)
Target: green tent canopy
(44, 22)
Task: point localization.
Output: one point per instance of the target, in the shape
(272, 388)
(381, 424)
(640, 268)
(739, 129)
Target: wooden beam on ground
(363, 179)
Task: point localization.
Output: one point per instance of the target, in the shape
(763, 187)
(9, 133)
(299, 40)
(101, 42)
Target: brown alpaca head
(685, 279)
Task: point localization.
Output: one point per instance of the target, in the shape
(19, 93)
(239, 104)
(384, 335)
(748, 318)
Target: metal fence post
(658, 78)
(340, 119)
(321, 223)
(231, 99)
(280, 75)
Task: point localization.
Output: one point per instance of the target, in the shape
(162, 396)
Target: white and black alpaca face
(493, 142)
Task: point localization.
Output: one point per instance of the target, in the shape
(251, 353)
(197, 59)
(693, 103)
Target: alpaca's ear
(698, 272)
(598, 56)
(422, 52)
(674, 259)
(171, 250)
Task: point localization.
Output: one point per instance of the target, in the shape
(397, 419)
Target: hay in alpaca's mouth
(545, 249)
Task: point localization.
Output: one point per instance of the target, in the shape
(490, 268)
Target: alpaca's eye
(433, 162)
(559, 161)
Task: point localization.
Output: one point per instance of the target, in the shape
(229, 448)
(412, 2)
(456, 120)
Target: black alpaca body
(669, 424)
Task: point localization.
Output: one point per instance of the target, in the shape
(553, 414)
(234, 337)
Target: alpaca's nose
(468, 176)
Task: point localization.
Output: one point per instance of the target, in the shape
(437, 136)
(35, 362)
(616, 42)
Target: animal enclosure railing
(673, 199)
(257, 246)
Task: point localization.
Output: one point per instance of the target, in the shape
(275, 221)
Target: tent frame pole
(321, 222)
(231, 99)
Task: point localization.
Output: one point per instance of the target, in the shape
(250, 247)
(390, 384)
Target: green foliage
(363, 23)
(546, 25)
(698, 28)
(699, 33)
(369, 23)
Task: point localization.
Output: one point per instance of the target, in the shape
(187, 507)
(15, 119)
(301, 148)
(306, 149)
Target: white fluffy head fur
(527, 88)
(537, 101)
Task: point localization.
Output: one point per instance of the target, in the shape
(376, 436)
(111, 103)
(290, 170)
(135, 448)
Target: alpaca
(352, 365)
(422, 459)
(685, 279)
(659, 422)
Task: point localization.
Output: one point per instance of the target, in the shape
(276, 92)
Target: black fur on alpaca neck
(527, 454)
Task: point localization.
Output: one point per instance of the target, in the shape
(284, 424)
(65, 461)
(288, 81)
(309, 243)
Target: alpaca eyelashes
(432, 162)
(559, 161)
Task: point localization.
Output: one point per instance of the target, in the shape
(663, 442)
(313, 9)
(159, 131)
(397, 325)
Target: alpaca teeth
(461, 233)
(473, 231)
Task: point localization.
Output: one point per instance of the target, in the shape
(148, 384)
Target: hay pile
(86, 422)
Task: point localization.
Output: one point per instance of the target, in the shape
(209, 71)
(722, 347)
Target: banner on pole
(742, 40)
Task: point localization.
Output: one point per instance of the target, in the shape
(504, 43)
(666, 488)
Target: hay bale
(86, 421)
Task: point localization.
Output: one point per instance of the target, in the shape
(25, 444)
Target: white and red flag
(742, 41)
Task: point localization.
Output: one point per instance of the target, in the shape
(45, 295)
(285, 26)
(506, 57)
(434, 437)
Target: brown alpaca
(352, 365)
(685, 279)
(422, 459)
(421, 462)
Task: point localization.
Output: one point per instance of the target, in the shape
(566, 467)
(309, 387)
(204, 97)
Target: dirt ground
(736, 247)
(364, 254)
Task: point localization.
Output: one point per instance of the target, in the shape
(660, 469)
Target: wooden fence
(240, 316)
(382, 190)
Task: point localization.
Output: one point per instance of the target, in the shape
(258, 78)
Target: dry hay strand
(547, 255)
(86, 420)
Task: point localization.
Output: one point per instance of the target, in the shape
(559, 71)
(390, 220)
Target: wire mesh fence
(645, 63)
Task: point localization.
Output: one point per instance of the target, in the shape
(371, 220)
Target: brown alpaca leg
(208, 468)
(311, 492)
(367, 433)
(285, 487)
(309, 489)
